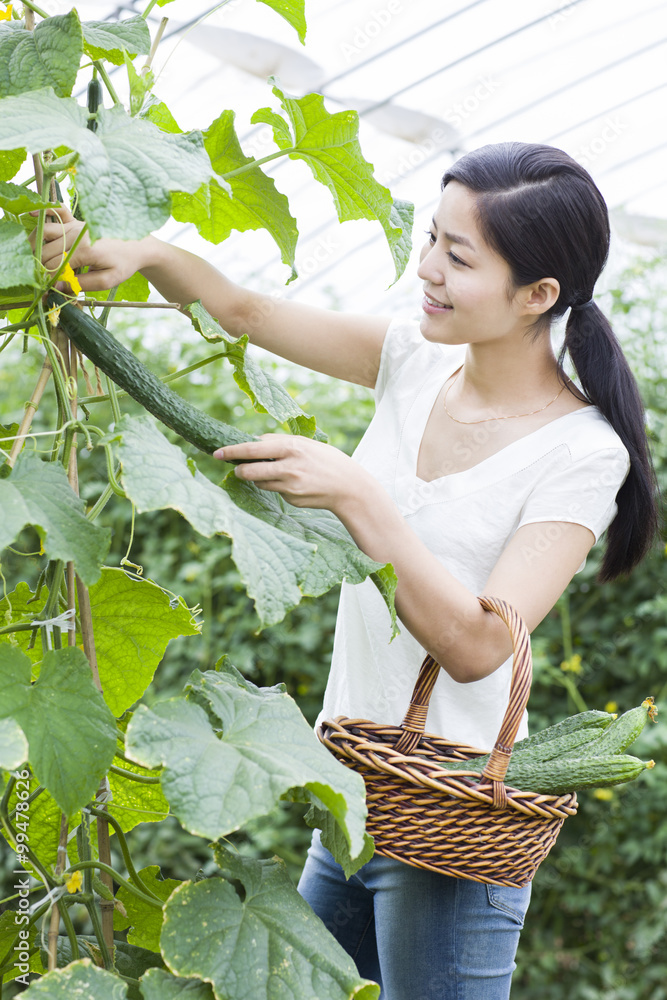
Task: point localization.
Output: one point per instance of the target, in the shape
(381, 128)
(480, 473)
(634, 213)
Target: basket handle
(414, 722)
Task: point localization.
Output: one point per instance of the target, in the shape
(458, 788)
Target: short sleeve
(581, 492)
(402, 339)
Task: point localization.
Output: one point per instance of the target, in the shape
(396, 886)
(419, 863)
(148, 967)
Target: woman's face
(465, 281)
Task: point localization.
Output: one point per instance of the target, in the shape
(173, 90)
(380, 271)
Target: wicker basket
(458, 823)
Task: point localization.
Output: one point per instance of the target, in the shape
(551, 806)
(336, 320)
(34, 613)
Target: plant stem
(100, 503)
(65, 260)
(33, 7)
(145, 779)
(94, 304)
(257, 163)
(149, 9)
(8, 899)
(134, 875)
(156, 41)
(98, 931)
(107, 82)
(104, 317)
(117, 877)
(30, 411)
(54, 923)
(104, 848)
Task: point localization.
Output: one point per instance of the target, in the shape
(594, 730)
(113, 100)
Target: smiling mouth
(434, 302)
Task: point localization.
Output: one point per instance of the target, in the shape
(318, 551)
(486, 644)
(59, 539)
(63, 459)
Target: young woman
(484, 470)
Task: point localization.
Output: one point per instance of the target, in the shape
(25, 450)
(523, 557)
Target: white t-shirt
(566, 470)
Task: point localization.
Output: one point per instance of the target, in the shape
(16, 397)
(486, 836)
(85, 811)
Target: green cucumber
(564, 774)
(574, 754)
(625, 730)
(123, 368)
(570, 774)
(574, 733)
(593, 719)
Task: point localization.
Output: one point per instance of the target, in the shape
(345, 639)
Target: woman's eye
(455, 259)
(431, 236)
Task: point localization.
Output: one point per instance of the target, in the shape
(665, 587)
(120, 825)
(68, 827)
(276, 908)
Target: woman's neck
(509, 372)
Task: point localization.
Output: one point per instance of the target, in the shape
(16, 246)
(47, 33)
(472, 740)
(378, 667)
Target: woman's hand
(110, 262)
(306, 473)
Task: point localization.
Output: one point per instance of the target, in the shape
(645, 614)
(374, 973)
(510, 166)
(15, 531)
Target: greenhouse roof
(430, 81)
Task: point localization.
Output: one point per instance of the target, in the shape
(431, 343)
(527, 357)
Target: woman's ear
(539, 297)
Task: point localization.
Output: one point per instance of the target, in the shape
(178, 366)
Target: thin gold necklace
(510, 416)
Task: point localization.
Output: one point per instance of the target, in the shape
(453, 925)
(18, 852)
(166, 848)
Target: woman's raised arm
(344, 345)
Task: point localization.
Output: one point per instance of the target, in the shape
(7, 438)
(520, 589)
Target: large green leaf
(82, 980)
(71, 732)
(157, 475)
(329, 145)
(282, 552)
(44, 818)
(17, 263)
(133, 802)
(39, 493)
(13, 744)
(159, 985)
(144, 166)
(252, 203)
(337, 557)
(125, 170)
(144, 921)
(263, 943)
(9, 929)
(335, 842)
(21, 606)
(265, 392)
(129, 960)
(110, 39)
(134, 621)
(17, 199)
(49, 56)
(217, 782)
(293, 12)
(10, 163)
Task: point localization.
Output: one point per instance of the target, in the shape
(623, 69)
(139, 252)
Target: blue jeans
(421, 935)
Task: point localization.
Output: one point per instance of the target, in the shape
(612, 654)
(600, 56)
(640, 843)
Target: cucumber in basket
(582, 751)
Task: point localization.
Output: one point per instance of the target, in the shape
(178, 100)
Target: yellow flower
(611, 707)
(605, 794)
(74, 882)
(70, 277)
(573, 665)
(7, 14)
(54, 316)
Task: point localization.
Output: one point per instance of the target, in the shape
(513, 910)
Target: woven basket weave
(458, 823)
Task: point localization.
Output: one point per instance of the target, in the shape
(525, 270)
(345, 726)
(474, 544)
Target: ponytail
(542, 212)
(608, 383)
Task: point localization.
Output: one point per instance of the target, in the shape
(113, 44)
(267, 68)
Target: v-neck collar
(507, 460)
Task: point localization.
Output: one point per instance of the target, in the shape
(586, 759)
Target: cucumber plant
(82, 758)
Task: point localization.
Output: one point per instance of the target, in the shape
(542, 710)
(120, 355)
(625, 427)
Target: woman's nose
(430, 268)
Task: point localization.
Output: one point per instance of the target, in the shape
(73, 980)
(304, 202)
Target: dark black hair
(542, 212)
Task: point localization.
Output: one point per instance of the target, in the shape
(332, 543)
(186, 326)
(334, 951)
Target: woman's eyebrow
(453, 238)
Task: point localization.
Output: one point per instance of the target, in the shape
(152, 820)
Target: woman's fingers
(271, 446)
